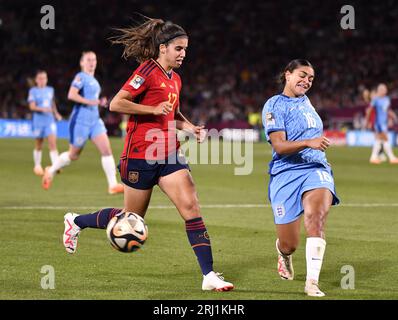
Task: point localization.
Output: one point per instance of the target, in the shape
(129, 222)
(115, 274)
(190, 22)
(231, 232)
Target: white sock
(37, 157)
(314, 251)
(376, 149)
(109, 166)
(53, 156)
(388, 150)
(62, 161)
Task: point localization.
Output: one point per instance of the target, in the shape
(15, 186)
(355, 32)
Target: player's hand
(103, 102)
(58, 117)
(93, 103)
(163, 108)
(321, 143)
(46, 110)
(200, 133)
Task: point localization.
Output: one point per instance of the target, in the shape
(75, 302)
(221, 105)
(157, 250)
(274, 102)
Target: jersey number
(310, 120)
(172, 98)
(324, 176)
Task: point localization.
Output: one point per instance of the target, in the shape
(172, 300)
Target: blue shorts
(380, 128)
(143, 174)
(79, 133)
(43, 130)
(286, 190)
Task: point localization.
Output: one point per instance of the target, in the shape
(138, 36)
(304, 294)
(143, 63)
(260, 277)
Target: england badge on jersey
(280, 210)
(269, 119)
(137, 81)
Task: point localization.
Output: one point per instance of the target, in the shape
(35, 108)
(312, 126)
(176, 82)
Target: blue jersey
(43, 98)
(298, 118)
(89, 88)
(381, 105)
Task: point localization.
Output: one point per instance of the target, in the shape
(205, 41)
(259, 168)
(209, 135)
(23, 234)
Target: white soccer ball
(127, 232)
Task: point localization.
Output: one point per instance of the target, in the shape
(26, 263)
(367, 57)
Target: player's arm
(392, 115)
(182, 123)
(122, 103)
(74, 96)
(283, 146)
(367, 117)
(57, 115)
(33, 107)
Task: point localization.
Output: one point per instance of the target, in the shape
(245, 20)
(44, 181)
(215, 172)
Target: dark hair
(142, 41)
(291, 66)
(40, 71)
(84, 53)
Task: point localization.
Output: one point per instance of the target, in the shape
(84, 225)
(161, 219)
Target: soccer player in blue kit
(85, 123)
(42, 104)
(381, 104)
(301, 180)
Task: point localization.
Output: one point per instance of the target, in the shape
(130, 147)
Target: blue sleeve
(78, 81)
(273, 116)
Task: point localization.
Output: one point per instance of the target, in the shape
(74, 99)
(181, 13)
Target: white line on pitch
(205, 206)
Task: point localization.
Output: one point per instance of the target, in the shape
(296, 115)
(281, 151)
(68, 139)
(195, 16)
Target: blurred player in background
(85, 123)
(151, 154)
(301, 182)
(368, 96)
(42, 104)
(380, 105)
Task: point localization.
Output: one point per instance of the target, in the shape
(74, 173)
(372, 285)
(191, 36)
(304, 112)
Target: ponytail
(142, 41)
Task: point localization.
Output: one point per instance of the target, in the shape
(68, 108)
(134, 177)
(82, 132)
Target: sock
(98, 219)
(53, 156)
(376, 149)
(314, 251)
(388, 150)
(62, 161)
(108, 164)
(37, 157)
(200, 242)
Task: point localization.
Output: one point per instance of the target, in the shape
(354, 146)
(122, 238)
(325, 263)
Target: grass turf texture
(243, 239)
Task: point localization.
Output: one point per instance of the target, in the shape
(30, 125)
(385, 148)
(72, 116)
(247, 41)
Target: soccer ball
(127, 232)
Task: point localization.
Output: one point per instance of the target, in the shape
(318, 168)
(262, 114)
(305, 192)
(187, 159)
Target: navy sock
(98, 219)
(200, 242)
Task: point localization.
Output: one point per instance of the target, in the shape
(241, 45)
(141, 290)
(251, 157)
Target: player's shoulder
(146, 69)
(33, 89)
(50, 88)
(275, 102)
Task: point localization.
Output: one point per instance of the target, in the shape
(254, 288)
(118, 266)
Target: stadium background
(236, 50)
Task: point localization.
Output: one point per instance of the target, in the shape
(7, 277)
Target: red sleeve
(137, 83)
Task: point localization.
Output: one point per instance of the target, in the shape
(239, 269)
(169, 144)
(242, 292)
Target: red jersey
(152, 137)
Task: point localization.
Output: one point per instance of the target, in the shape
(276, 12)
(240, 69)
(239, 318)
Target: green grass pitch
(362, 232)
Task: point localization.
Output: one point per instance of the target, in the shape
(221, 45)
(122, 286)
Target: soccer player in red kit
(151, 152)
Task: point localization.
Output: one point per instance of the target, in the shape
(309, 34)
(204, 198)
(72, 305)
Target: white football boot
(71, 232)
(312, 289)
(285, 264)
(214, 281)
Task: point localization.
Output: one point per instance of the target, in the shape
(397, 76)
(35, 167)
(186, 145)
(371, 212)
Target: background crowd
(236, 51)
